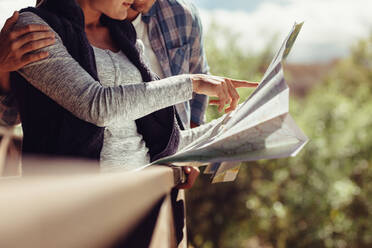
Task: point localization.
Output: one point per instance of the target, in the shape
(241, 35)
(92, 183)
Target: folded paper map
(259, 128)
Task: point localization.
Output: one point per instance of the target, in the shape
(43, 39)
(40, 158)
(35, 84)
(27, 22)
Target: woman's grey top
(115, 102)
(123, 146)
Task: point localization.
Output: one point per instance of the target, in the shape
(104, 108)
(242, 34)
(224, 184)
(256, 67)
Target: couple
(93, 95)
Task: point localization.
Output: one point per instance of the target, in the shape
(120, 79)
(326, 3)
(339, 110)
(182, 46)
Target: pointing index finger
(243, 84)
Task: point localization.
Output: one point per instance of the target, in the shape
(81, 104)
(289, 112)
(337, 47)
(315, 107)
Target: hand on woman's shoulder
(27, 18)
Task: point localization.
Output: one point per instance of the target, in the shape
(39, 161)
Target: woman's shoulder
(28, 17)
(31, 18)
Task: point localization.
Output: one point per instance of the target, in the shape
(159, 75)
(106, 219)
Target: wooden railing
(11, 138)
(87, 209)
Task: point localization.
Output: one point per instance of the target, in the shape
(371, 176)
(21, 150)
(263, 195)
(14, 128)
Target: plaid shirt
(175, 34)
(9, 114)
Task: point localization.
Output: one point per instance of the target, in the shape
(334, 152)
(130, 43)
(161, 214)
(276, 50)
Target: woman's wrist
(195, 82)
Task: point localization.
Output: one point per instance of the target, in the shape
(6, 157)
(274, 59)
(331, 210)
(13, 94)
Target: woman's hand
(192, 173)
(223, 88)
(16, 44)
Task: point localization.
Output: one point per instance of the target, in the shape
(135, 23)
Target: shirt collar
(152, 12)
(137, 20)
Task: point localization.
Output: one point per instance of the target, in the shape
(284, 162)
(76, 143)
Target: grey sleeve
(190, 135)
(62, 79)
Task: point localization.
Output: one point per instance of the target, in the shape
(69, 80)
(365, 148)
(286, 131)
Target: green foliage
(226, 59)
(322, 197)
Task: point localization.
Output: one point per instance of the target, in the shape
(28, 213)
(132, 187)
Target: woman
(88, 99)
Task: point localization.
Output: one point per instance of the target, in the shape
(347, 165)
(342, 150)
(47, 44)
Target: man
(172, 34)
(171, 31)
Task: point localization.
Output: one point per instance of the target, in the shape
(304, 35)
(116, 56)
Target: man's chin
(137, 8)
(119, 17)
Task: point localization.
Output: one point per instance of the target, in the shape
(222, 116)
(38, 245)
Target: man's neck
(132, 14)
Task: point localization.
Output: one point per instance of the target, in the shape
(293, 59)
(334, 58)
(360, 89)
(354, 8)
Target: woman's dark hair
(121, 31)
(38, 2)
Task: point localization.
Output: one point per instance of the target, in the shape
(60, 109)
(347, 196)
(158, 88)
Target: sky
(331, 26)
(246, 5)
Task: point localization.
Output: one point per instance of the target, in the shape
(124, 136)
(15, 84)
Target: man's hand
(192, 173)
(193, 125)
(17, 43)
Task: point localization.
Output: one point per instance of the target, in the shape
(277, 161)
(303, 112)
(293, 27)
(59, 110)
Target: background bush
(321, 198)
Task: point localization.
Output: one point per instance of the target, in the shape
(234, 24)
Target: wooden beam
(90, 210)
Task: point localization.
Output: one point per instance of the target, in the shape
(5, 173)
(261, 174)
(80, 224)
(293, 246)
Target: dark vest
(50, 129)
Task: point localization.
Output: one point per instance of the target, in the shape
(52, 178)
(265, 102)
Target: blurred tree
(321, 198)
